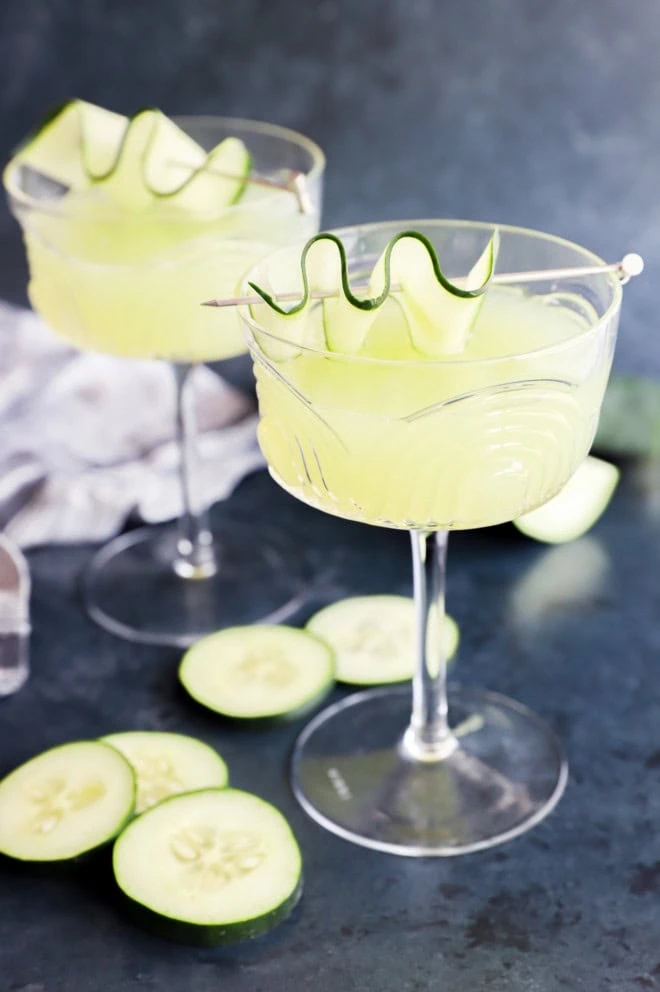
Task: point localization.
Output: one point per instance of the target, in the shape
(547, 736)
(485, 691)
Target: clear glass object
(14, 618)
(131, 284)
(432, 446)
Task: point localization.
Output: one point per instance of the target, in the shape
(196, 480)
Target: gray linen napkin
(87, 440)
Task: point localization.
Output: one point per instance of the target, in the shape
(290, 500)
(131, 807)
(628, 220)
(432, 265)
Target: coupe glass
(432, 446)
(125, 283)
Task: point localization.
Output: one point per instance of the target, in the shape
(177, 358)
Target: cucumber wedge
(258, 672)
(574, 510)
(168, 764)
(439, 313)
(65, 802)
(209, 867)
(373, 638)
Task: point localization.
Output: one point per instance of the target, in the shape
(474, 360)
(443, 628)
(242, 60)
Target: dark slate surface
(574, 632)
(522, 111)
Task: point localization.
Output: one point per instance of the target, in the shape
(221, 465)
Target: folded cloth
(87, 440)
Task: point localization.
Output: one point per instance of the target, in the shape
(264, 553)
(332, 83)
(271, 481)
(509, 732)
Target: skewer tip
(209, 303)
(632, 264)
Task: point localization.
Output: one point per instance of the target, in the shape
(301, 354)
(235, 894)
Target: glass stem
(428, 738)
(195, 557)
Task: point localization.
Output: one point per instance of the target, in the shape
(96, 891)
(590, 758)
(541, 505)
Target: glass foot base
(351, 775)
(133, 590)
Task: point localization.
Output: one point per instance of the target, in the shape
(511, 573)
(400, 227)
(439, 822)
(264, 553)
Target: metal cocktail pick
(629, 266)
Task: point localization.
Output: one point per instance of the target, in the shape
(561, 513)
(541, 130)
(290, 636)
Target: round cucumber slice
(65, 802)
(167, 764)
(574, 510)
(373, 638)
(257, 672)
(209, 867)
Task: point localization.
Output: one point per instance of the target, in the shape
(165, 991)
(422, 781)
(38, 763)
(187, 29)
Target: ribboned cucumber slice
(138, 161)
(439, 313)
(574, 510)
(221, 179)
(373, 638)
(75, 142)
(209, 867)
(167, 764)
(258, 672)
(158, 162)
(65, 802)
(125, 180)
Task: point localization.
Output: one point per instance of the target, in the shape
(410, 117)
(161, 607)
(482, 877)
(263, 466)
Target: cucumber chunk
(167, 764)
(257, 672)
(65, 802)
(374, 638)
(574, 510)
(209, 867)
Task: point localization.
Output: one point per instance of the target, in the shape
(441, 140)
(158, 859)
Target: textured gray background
(540, 113)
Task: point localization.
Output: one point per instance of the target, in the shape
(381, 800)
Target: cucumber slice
(307, 324)
(373, 638)
(76, 141)
(135, 162)
(65, 802)
(257, 672)
(125, 180)
(439, 313)
(574, 510)
(209, 867)
(220, 180)
(168, 764)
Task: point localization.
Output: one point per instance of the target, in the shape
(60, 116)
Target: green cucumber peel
(373, 303)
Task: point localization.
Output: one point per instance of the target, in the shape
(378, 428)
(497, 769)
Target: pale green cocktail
(388, 430)
(128, 226)
(400, 442)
